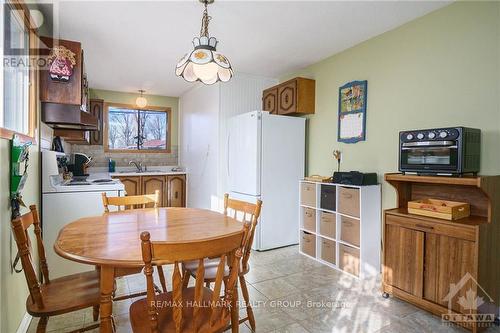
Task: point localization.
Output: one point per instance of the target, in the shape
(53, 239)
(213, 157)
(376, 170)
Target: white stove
(64, 201)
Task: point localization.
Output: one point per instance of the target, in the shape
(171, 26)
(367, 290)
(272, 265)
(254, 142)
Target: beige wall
(101, 158)
(442, 69)
(13, 287)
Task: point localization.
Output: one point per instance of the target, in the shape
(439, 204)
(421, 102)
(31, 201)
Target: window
(17, 114)
(128, 128)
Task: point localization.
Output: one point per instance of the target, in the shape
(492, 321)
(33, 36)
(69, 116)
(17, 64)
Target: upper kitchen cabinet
(64, 86)
(62, 82)
(270, 100)
(292, 97)
(97, 109)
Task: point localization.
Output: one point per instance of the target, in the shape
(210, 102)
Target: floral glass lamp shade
(204, 63)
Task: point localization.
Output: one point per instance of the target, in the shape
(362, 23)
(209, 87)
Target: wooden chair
(47, 297)
(131, 202)
(249, 214)
(196, 309)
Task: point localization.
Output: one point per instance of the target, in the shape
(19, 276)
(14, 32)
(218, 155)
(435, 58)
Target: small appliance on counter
(355, 178)
(80, 164)
(440, 151)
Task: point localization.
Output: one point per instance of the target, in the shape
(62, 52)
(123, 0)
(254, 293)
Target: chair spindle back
(131, 202)
(20, 227)
(247, 213)
(229, 247)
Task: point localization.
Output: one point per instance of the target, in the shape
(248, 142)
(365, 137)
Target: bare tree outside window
(113, 135)
(126, 123)
(137, 129)
(157, 127)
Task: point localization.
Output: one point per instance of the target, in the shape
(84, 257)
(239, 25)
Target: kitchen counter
(132, 172)
(145, 173)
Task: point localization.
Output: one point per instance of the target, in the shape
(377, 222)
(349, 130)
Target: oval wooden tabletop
(113, 238)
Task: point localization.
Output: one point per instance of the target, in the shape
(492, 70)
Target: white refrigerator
(265, 160)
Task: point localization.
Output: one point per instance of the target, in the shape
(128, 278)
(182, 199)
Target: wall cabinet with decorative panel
(270, 100)
(293, 97)
(97, 110)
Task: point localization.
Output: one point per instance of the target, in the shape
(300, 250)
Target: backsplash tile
(101, 158)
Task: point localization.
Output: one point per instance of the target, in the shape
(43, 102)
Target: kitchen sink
(147, 171)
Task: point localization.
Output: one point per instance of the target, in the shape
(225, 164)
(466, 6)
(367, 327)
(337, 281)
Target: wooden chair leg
(42, 325)
(161, 275)
(246, 297)
(95, 312)
(185, 279)
(235, 316)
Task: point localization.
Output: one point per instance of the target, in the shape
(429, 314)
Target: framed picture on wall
(352, 112)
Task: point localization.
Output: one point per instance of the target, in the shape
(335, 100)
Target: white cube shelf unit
(340, 226)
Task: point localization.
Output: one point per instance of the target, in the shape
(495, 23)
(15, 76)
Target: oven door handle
(451, 144)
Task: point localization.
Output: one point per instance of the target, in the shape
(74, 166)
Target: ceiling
(133, 45)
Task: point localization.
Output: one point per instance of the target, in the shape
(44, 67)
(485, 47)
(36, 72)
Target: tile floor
(294, 294)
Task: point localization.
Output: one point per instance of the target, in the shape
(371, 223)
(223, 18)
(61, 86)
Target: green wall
(153, 100)
(442, 69)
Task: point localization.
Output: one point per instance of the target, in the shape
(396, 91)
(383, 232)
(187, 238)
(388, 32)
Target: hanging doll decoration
(62, 61)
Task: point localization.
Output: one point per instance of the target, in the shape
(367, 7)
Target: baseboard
(25, 323)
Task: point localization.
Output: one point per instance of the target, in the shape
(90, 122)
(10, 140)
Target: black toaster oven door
(429, 156)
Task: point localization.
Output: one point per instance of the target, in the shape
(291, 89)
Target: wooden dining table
(111, 242)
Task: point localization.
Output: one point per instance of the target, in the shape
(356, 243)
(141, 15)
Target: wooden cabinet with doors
(176, 195)
(440, 272)
(404, 257)
(270, 100)
(152, 183)
(434, 263)
(71, 91)
(172, 187)
(293, 97)
(132, 185)
(97, 109)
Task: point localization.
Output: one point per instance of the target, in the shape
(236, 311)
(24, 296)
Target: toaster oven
(446, 151)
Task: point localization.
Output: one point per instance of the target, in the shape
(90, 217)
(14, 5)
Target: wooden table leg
(106, 308)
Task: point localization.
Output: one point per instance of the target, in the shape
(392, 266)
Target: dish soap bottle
(111, 165)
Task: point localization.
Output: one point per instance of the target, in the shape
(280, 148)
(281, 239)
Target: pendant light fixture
(141, 101)
(204, 63)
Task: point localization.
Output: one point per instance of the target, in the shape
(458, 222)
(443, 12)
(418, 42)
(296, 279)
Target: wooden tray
(442, 209)
(318, 178)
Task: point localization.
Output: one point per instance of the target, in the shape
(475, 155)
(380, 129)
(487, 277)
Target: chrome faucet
(137, 165)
